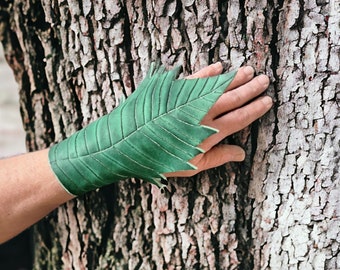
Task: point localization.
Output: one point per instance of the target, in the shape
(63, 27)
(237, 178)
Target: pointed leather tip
(215, 130)
(162, 176)
(200, 150)
(192, 166)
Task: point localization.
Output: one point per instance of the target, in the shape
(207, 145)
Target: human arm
(29, 189)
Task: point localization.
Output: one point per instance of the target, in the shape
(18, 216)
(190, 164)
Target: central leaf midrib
(151, 122)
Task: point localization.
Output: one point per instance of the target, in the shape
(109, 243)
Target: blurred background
(12, 136)
(14, 254)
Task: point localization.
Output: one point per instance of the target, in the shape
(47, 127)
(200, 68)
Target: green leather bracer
(156, 130)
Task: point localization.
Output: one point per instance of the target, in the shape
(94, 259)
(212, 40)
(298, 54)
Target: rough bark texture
(279, 209)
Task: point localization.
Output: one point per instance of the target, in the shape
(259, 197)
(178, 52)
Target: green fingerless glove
(156, 130)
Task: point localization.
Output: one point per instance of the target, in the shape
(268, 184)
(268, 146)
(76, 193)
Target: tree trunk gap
(279, 209)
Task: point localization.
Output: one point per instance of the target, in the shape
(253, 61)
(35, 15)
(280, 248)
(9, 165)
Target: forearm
(28, 192)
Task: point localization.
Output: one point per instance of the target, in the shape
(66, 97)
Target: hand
(141, 138)
(231, 113)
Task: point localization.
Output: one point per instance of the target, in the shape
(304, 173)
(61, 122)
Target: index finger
(209, 71)
(243, 75)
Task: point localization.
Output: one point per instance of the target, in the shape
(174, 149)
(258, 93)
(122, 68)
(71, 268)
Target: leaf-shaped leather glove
(156, 130)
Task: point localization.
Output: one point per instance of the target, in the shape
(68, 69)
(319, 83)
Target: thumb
(221, 154)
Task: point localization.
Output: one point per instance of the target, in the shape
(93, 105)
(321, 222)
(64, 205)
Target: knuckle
(244, 116)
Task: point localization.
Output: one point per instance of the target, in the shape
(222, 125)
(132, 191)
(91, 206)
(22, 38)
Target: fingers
(229, 115)
(243, 94)
(244, 116)
(237, 97)
(211, 70)
(243, 75)
(237, 120)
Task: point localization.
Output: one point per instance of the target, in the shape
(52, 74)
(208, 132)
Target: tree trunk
(279, 209)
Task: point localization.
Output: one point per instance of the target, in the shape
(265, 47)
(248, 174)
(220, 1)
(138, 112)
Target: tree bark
(279, 209)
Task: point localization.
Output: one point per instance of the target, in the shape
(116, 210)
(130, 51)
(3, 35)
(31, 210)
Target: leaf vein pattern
(168, 113)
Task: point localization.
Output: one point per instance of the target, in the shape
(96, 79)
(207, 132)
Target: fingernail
(249, 71)
(218, 66)
(264, 80)
(241, 155)
(267, 100)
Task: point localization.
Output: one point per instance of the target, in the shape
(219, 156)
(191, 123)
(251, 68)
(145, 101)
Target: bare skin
(29, 189)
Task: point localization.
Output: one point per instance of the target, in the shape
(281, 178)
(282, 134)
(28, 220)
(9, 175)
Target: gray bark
(279, 209)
